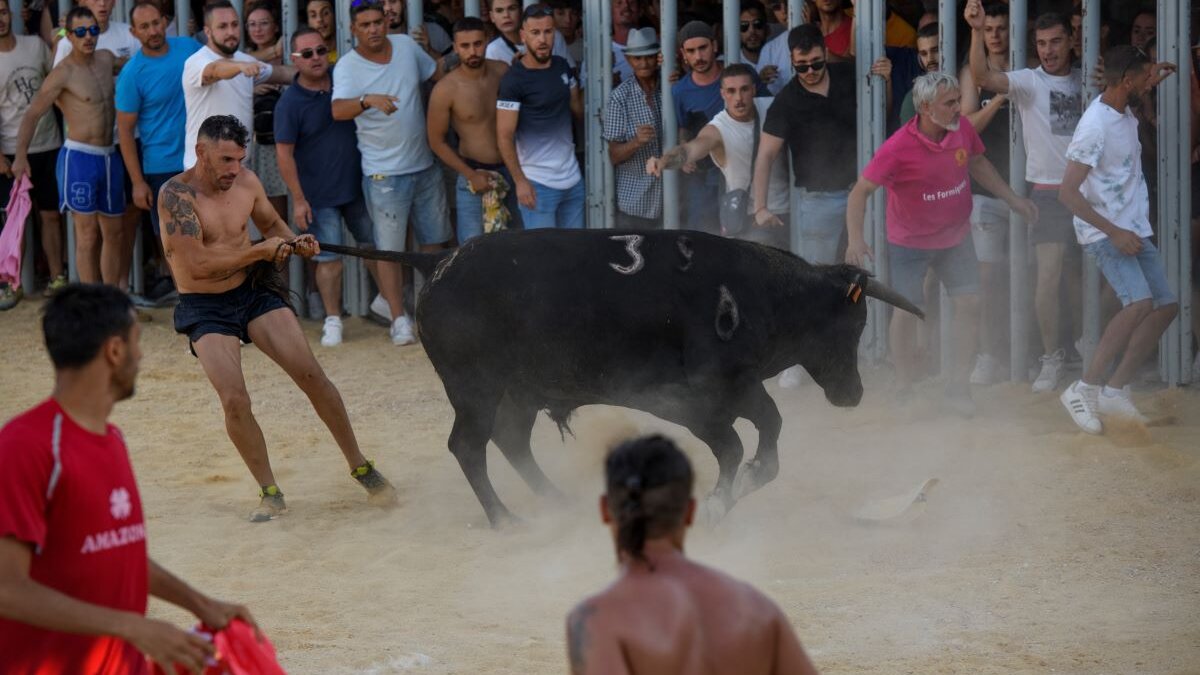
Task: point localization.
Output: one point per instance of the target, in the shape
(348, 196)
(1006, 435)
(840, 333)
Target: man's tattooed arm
(674, 158)
(177, 209)
(577, 637)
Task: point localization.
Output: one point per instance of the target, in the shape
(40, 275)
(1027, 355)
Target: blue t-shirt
(544, 140)
(152, 87)
(326, 151)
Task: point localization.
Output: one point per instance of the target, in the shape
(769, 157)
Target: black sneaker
(380, 491)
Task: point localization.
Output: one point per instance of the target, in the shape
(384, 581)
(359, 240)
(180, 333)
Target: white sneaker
(1120, 405)
(379, 307)
(331, 335)
(1052, 365)
(1081, 401)
(791, 378)
(987, 370)
(402, 331)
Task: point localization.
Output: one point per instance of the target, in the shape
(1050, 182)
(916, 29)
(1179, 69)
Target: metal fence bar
(948, 53)
(1183, 183)
(606, 61)
(16, 23)
(1018, 240)
(871, 134)
(669, 33)
(1091, 273)
(183, 14)
(595, 156)
(731, 11)
(64, 6)
(472, 8)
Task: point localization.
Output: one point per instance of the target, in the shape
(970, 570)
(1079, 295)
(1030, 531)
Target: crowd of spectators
(463, 126)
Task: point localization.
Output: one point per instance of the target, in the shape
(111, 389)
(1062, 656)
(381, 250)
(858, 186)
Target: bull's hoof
(713, 509)
(504, 520)
(754, 474)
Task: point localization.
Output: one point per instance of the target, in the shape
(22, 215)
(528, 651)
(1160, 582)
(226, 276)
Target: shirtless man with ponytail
(666, 614)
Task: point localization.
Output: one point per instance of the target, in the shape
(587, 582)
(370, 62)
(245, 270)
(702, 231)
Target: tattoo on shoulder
(179, 201)
(577, 637)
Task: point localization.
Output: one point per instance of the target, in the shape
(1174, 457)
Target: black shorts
(41, 174)
(228, 313)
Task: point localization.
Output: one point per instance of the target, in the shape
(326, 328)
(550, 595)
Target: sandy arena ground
(1042, 550)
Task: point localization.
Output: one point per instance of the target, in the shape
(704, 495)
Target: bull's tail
(424, 263)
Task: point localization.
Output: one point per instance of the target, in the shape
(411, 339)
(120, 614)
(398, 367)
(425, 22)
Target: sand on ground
(1042, 549)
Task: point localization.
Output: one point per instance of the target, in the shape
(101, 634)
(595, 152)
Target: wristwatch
(362, 101)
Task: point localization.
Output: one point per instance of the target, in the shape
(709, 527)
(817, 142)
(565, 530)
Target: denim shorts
(228, 313)
(989, 228)
(822, 223)
(392, 199)
(469, 206)
(956, 267)
(327, 222)
(1133, 277)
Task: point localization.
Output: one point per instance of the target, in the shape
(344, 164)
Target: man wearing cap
(633, 129)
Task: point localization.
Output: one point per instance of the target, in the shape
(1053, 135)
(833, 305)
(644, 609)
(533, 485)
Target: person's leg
(571, 207)
(52, 242)
(326, 227)
(1145, 337)
(958, 268)
(87, 247)
(468, 212)
(45, 199)
(277, 334)
(388, 200)
(908, 269)
(221, 358)
(120, 190)
(113, 242)
(430, 214)
(1125, 276)
(1049, 275)
(358, 220)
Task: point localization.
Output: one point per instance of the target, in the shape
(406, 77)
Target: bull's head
(832, 322)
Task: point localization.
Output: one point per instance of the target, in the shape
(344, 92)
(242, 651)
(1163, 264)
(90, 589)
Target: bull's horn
(880, 291)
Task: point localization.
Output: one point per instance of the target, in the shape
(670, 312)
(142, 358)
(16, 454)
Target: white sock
(1085, 385)
(1112, 393)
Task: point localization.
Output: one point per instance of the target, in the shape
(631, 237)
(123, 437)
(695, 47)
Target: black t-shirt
(995, 141)
(821, 131)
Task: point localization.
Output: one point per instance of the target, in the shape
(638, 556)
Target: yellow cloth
(897, 32)
(495, 213)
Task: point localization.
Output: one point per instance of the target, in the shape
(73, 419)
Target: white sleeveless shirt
(738, 139)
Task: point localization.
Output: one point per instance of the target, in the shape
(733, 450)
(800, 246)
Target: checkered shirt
(638, 193)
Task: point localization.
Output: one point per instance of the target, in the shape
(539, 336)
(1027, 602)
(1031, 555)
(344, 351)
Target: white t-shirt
(396, 144)
(118, 39)
(776, 53)
(621, 66)
(501, 49)
(23, 70)
(1107, 141)
(1050, 107)
(738, 139)
(234, 96)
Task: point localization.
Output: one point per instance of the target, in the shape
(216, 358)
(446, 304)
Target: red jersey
(71, 494)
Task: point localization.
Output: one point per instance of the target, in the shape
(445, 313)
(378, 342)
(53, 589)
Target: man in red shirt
(74, 573)
(926, 167)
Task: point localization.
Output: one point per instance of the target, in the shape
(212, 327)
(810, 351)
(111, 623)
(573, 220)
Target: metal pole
(948, 46)
(16, 23)
(796, 18)
(871, 133)
(1091, 273)
(289, 18)
(414, 15)
(239, 5)
(606, 67)
(594, 152)
(472, 8)
(64, 6)
(183, 14)
(795, 15)
(1018, 246)
(669, 34)
(733, 37)
(1182, 84)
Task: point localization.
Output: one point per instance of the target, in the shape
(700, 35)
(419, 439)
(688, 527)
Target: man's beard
(473, 63)
(1135, 99)
(227, 51)
(539, 58)
(948, 126)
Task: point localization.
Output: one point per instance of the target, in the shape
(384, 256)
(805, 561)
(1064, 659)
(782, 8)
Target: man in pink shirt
(927, 168)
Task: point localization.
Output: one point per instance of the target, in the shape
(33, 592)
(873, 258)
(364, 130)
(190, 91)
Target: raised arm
(984, 77)
(281, 75)
(982, 117)
(227, 69)
(694, 150)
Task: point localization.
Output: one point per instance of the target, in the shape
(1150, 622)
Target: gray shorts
(1055, 223)
(956, 267)
(989, 228)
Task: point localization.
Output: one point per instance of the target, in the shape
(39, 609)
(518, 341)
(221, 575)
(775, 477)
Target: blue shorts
(228, 313)
(956, 267)
(327, 222)
(1133, 277)
(555, 208)
(822, 221)
(392, 199)
(91, 180)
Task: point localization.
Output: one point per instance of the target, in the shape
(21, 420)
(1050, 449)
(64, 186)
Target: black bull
(683, 325)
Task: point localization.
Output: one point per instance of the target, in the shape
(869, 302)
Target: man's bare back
(472, 108)
(218, 221)
(86, 97)
(683, 618)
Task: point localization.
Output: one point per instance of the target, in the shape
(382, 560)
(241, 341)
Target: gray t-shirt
(23, 70)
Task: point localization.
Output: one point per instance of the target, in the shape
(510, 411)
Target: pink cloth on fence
(19, 206)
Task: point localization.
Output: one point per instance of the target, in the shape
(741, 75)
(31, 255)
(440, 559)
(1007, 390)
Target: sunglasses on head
(538, 11)
(757, 24)
(86, 30)
(308, 53)
(815, 66)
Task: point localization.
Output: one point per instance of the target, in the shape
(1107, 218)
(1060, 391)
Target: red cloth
(238, 652)
(19, 206)
(72, 496)
(929, 185)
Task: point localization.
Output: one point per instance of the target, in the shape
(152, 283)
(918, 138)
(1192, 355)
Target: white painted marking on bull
(728, 317)
(632, 242)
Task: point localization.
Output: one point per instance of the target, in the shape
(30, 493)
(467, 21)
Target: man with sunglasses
(115, 36)
(753, 27)
(377, 85)
(150, 100)
(90, 174)
(321, 165)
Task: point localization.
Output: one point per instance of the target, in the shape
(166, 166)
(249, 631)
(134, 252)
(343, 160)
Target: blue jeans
(1133, 277)
(822, 221)
(701, 196)
(326, 226)
(555, 208)
(956, 266)
(469, 221)
(391, 199)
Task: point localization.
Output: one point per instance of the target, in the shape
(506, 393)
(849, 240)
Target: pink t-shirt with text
(929, 185)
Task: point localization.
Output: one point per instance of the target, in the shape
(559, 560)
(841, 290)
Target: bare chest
(91, 85)
(223, 218)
